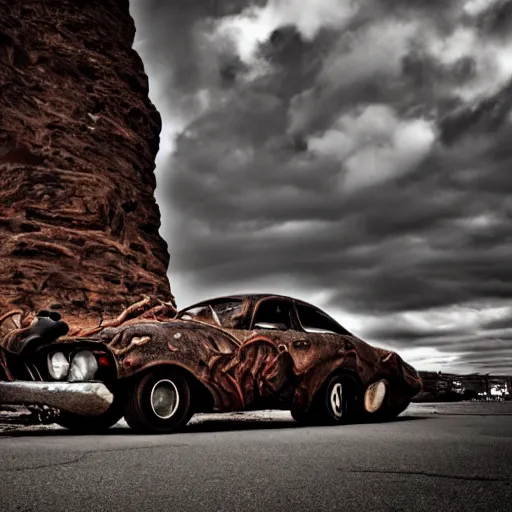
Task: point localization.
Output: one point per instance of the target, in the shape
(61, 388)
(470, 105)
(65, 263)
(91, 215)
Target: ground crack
(45, 466)
(426, 473)
(88, 453)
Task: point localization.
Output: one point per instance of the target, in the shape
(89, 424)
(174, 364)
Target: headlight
(58, 365)
(83, 366)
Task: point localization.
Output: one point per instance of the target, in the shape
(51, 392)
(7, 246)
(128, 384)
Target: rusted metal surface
(16, 326)
(242, 365)
(84, 398)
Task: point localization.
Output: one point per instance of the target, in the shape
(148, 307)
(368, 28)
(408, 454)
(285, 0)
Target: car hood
(213, 336)
(44, 331)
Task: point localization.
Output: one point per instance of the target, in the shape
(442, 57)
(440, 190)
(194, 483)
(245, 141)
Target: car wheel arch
(203, 397)
(344, 372)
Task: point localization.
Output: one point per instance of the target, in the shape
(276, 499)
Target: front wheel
(159, 402)
(92, 424)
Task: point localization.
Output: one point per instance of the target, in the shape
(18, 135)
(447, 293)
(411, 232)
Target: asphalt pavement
(432, 458)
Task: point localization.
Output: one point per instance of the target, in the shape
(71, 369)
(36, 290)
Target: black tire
(394, 412)
(141, 405)
(337, 401)
(372, 400)
(304, 418)
(395, 402)
(91, 424)
(94, 424)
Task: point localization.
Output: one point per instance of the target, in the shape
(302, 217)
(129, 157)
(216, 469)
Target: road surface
(446, 458)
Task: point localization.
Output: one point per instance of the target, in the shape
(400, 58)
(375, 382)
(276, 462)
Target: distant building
(438, 386)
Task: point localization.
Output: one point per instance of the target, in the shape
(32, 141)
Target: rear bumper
(83, 398)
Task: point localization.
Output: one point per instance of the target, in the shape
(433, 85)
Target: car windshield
(224, 313)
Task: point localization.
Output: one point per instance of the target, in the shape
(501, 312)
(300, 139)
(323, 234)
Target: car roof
(251, 296)
(258, 296)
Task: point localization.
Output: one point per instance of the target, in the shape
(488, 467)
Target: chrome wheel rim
(336, 400)
(164, 399)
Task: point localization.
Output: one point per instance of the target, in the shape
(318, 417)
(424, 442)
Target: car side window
(229, 313)
(272, 314)
(222, 313)
(314, 321)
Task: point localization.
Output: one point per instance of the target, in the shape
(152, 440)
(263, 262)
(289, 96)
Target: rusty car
(234, 353)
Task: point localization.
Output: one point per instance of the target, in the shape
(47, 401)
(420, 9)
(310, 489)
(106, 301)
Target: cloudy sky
(355, 154)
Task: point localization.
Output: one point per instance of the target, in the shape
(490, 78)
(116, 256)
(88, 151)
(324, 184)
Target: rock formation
(78, 138)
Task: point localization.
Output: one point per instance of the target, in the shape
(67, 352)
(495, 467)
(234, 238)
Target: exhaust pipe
(82, 398)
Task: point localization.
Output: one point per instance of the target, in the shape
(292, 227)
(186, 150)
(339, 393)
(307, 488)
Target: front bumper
(83, 398)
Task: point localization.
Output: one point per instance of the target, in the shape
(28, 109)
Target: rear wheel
(335, 403)
(375, 396)
(384, 401)
(159, 402)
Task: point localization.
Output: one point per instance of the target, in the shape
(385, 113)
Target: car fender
(202, 390)
(194, 347)
(367, 364)
(314, 379)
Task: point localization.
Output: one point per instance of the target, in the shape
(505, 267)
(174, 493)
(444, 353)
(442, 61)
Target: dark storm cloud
(182, 60)
(486, 117)
(504, 322)
(497, 19)
(360, 152)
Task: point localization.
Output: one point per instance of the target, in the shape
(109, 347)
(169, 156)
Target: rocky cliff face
(78, 137)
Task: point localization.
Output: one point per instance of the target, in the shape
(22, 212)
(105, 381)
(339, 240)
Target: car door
(265, 352)
(325, 339)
